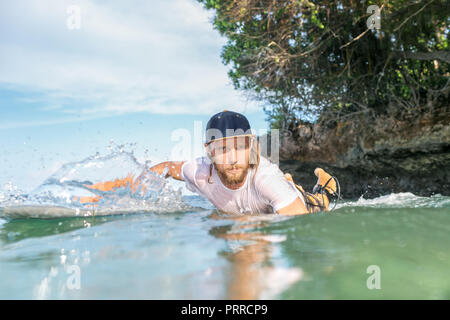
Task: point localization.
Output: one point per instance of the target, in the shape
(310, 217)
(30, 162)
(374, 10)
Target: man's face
(231, 158)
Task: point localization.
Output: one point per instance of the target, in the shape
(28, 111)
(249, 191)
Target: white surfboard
(49, 212)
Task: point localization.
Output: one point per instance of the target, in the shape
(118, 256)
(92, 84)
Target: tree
(320, 58)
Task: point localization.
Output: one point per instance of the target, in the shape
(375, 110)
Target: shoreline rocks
(373, 158)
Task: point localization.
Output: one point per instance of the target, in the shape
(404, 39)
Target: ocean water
(163, 244)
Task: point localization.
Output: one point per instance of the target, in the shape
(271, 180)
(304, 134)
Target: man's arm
(174, 169)
(295, 208)
(278, 190)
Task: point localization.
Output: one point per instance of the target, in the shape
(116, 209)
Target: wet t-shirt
(265, 190)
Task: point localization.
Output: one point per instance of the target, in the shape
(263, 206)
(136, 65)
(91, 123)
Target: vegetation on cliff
(334, 61)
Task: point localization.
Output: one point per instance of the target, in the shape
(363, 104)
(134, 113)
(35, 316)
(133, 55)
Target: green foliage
(317, 58)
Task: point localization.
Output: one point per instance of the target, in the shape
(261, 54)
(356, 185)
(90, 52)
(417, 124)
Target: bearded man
(236, 179)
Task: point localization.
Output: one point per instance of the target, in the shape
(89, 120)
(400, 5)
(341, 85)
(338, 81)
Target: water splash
(64, 188)
(401, 200)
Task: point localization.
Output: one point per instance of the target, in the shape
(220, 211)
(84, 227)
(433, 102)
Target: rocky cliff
(373, 158)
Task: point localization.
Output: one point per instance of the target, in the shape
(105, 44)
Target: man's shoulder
(266, 170)
(196, 168)
(273, 186)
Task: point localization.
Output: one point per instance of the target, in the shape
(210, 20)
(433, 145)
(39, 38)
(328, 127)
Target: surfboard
(50, 212)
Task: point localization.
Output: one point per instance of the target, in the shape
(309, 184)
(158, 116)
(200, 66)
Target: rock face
(373, 159)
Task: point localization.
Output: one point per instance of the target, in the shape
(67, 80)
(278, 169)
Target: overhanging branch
(436, 55)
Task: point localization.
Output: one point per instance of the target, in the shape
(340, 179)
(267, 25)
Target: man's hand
(173, 169)
(295, 208)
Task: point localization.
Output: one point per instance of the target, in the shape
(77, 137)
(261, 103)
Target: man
(235, 178)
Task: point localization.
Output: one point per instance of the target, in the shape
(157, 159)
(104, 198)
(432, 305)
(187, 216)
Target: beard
(232, 178)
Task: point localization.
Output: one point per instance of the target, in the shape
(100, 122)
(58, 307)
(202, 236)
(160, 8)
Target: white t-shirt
(269, 192)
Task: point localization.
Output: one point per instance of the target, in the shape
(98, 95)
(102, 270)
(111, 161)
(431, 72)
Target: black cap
(227, 124)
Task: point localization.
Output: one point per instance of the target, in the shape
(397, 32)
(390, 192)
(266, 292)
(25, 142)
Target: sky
(77, 76)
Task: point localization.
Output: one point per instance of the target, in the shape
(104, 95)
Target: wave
(400, 200)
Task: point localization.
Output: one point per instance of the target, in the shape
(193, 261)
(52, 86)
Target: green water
(205, 255)
(410, 246)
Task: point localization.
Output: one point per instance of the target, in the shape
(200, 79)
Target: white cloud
(40, 123)
(129, 56)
